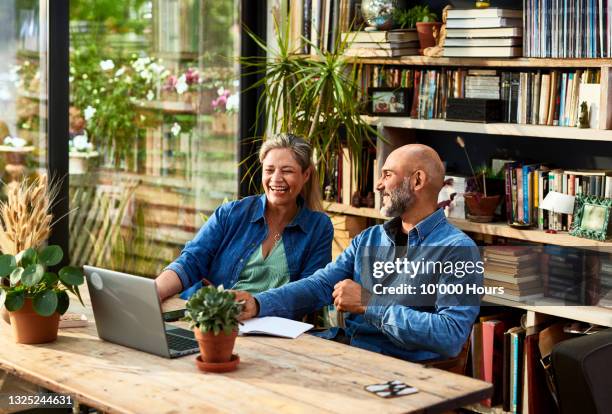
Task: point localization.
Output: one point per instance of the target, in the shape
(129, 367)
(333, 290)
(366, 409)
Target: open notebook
(275, 326)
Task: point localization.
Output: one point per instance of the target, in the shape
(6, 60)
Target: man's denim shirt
(223, 245)
(408, 332)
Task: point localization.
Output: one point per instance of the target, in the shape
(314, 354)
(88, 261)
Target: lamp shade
(558, 202)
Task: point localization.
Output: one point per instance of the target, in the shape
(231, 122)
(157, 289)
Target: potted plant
(480, 203)
(212, 313)
(15, 150)
(34, 296)
(312, 97)
(425, 22)
(79, 153)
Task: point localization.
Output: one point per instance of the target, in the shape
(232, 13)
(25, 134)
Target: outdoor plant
(81, 144)
(407, 19)
(213, 310)
(25, 224)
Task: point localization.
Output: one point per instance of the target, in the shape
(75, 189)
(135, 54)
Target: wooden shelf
(549, 306)
(540, 131)
(521, 63)
(494, 229)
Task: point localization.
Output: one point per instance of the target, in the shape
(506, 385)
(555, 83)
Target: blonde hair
(302, 153)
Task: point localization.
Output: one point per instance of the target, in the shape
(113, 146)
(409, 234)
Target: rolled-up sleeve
(195, 258)
(298, 298)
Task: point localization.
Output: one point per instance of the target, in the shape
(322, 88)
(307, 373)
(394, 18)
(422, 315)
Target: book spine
(508, 187)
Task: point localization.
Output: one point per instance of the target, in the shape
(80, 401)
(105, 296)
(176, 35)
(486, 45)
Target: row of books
(567, 29)
(507, 353)
(490, 32)
(540, 97)
(318, 22)
(528, 184)
(553, 97)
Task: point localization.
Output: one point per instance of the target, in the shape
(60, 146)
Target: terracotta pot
(16, 157)
(31, 328)
(481, 208)
(215, 348)
(425, 31)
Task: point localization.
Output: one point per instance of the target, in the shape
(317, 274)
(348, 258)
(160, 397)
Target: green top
(261, 274)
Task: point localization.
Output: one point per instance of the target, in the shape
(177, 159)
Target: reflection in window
(153, 126)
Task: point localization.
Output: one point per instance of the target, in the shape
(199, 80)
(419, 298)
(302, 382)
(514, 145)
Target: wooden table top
(275, 375)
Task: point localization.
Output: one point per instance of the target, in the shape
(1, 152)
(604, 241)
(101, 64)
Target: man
(409, 185)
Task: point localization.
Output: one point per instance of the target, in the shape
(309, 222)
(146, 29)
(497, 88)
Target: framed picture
(592, 217)
(390, 101)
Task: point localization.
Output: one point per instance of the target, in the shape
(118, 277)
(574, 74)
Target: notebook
(274, 326)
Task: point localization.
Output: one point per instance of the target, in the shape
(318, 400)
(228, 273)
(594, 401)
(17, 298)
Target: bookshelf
(540, 131)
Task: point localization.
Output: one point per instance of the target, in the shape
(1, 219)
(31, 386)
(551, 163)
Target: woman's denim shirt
(223, 245)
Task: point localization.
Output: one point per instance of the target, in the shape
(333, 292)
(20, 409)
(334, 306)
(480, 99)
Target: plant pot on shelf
(425, 32)
(31, 328)
(481, 208)
(79, 161)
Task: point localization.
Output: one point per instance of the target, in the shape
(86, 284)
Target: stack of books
(482, 83)
(491, 32)
(516, 269)
(381, 43)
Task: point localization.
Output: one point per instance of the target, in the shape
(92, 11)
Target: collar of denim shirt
(298, 221)
(422, 229)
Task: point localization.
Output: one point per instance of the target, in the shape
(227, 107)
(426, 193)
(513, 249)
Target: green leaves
(28, 279)
(7, 264)
(213, 309)
(14, 300)
(45, 302)
(16, 275)
(71, 276)
(51, 255)
(62, 302)
(32, 275)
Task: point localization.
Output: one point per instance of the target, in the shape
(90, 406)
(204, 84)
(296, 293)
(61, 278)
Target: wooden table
(275, 375)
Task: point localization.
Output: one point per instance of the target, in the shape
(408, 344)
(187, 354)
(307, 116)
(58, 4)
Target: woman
(260, 242)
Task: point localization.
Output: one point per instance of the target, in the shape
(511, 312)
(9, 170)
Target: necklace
(277, 237)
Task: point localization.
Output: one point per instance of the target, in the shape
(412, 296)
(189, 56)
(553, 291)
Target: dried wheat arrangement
(25, 218)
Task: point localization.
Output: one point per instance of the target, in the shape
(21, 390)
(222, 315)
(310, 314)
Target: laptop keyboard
(180, 343)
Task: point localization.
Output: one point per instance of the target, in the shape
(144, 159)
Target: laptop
(128, 312)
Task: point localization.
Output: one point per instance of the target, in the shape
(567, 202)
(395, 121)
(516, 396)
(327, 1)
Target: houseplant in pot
(212, 313)
(34, 296)
(480, 203)
(425, 22)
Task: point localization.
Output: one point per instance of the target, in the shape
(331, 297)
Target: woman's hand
(250, 308)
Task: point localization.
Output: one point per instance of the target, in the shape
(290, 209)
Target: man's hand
(250, 308)
(349, 296)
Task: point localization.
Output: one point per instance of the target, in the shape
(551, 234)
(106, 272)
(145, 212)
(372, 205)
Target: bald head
(413, 157)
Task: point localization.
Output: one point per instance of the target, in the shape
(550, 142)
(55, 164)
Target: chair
(582, 369)
(455, 365)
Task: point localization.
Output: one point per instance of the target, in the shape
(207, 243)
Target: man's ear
(420, 177)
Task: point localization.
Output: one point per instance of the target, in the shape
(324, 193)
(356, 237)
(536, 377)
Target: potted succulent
(79, 153)
(33, 296)
(425, 22)
(480, 203)
(212, 313)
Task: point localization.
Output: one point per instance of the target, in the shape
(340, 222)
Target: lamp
(558, 203)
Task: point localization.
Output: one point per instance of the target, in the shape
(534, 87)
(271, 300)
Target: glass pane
(153, 126)
(23, 90)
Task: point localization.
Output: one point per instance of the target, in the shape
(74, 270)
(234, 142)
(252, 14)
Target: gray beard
(401, 200)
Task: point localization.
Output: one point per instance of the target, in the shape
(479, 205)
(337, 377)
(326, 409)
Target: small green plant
(213, 309)
(407, 19)
(25, 276)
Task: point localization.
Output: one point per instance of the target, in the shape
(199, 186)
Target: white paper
(275, 326)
